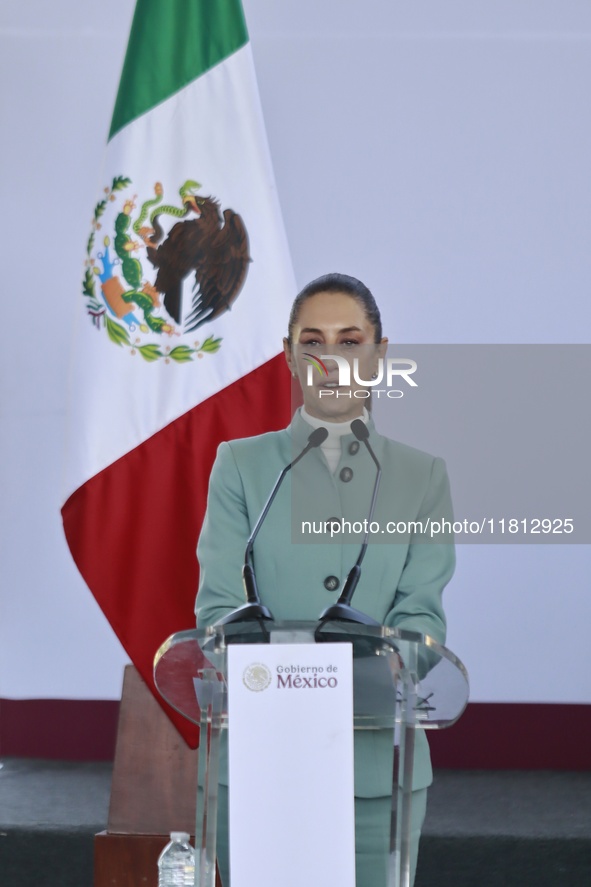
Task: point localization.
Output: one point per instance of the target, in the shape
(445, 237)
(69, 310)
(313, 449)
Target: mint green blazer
(297, 570)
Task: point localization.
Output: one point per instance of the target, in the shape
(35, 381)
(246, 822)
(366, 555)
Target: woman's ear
(383, 347)
(289, 358)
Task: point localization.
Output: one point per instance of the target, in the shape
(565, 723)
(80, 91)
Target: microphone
(342, 611)
(254, 608)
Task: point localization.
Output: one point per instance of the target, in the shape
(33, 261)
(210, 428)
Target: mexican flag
(183, 304)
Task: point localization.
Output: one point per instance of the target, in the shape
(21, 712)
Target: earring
(294, 375)
(374, 375)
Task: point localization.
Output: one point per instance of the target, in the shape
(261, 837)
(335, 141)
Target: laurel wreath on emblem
(256, 677)
(133, 305)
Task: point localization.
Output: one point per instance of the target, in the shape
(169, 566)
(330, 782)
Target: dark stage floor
(485, 828)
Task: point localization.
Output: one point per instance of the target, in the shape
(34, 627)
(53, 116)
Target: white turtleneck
(332, 445)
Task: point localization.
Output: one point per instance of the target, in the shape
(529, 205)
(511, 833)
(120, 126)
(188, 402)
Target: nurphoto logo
(388, 370)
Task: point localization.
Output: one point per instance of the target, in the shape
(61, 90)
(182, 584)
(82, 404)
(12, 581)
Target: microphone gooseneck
(254, 608)
(342, 611)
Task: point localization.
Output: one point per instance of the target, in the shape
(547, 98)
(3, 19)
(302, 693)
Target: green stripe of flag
(172, 42)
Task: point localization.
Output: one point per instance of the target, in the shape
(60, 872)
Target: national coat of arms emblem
(256, 677)
(142, 282)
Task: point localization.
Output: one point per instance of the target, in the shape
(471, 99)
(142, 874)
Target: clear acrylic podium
(402, 681)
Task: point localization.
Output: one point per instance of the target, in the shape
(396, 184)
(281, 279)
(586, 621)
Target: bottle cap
(179, 837)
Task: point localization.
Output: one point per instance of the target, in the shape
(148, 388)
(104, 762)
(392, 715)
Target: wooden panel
(129, 860)
(155, 772)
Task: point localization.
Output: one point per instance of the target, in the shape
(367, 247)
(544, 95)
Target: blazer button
(331, 583)
(346, 474)
(354, 447)
(333, 525)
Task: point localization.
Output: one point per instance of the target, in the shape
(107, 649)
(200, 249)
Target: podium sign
(290, 777)
(290, 707)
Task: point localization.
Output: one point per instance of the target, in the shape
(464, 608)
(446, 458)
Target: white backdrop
(439, 150)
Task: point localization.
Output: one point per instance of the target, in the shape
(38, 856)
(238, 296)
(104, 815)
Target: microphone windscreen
(318, 437)
(359, 429)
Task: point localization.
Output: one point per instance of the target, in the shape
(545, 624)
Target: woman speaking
(300, 575)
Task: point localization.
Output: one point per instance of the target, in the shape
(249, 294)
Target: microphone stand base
(247, 613)
(345, 613)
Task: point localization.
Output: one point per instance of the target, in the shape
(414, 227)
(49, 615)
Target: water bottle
(176, 863)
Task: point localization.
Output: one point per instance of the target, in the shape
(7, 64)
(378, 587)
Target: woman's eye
(350, 343)
(312, 343)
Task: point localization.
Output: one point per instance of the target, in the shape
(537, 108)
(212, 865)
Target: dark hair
(338, 283)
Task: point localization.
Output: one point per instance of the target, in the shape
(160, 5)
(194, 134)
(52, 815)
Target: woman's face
(333, 323)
